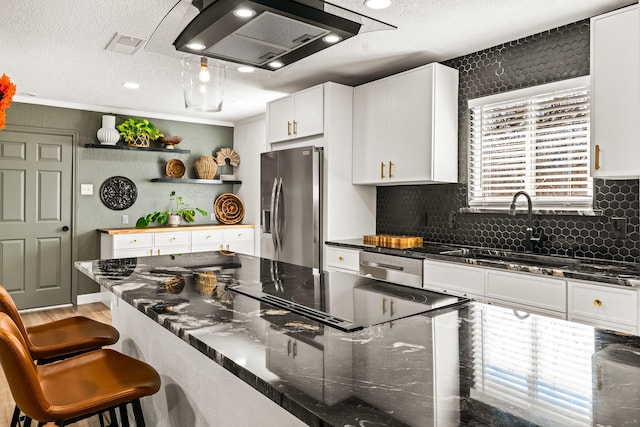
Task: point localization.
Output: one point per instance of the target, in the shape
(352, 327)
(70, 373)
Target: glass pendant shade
(203, 84)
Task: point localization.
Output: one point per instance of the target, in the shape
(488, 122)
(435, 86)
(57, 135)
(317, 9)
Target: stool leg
(137, 413)
(113, 418)
(16, 417)
(124, 416)
(27, 422)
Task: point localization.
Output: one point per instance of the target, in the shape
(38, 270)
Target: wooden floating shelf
(195, 181)
(128, 148)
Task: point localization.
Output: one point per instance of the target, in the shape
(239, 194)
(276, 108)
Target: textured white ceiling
(54, 49)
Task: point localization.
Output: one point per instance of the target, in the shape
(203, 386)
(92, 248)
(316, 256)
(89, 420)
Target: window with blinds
(536, 140)
(534, 367)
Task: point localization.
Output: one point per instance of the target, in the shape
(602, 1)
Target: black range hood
(280, 30)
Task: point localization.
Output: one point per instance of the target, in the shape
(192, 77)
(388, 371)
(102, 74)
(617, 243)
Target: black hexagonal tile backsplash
(432, 211)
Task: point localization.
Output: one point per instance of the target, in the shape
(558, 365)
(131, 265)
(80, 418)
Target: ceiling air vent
(124, 44)
(284, 30)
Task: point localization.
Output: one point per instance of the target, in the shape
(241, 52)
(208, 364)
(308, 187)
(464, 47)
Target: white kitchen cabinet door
(342, 259)
(527, 290)
(454, 279)
(615, 94)
(371, 132)
(296, 116)
(605, 306)
(406, 128)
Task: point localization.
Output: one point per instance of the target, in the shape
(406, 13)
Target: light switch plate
(86, 189)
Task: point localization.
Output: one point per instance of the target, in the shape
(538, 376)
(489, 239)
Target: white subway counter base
(153, 241)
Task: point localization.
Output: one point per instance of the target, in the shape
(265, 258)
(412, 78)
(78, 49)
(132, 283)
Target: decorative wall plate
(228, 209)
(118, 193)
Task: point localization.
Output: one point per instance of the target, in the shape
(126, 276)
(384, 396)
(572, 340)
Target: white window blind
(534, 367)
(536, 140)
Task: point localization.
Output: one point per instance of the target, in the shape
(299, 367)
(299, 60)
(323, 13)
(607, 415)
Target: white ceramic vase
(108, 134)
(173, 220)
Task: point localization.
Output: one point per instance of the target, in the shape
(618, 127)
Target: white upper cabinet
(405, 128)
(296, 116)
(615, 94)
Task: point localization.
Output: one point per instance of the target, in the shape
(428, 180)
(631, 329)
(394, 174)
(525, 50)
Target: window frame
(583, 204)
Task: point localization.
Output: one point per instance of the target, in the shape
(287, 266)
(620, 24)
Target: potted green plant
(178, 209)
(138, 132)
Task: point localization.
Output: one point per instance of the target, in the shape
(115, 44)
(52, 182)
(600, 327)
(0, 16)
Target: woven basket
(206, 283)
(174, 284)
(228, 209)
(141, 141)
(174, 168)
(205, 167)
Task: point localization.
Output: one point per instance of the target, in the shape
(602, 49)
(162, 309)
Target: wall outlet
(125, 219)
(213, 216)
(619, 228)
(453, 220)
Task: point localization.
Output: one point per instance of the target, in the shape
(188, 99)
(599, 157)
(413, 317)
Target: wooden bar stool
(74, 388)
(60, 338)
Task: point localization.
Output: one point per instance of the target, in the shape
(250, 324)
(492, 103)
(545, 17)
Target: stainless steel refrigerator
(291, 205)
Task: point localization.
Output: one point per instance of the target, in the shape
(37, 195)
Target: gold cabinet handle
(209, 236)
(391, 304)
(295, 127)
(390, 170)
(134, 241)
(384, 305)
(150, 252)
(381, 170)
(222, 247)
(173, 238)
(158, 251)
(597, 166)
(289, 128)
(597, 302)
(340, 258)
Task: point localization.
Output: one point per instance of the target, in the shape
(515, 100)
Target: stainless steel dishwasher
(391, 268)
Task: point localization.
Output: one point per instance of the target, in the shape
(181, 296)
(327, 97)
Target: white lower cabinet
(342, 259)
(604, 306)
(528, 291)
(150, 243)
(454, 279)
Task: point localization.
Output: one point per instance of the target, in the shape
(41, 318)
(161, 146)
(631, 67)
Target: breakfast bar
(227, 358)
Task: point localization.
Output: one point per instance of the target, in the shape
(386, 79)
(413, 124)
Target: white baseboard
(89, 298)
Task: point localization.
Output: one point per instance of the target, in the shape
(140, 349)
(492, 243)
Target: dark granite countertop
(595, 270)
(473, 365)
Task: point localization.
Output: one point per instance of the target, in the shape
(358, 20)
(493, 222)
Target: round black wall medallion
(118, 193)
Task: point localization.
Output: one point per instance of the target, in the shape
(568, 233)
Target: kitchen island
(229, 359)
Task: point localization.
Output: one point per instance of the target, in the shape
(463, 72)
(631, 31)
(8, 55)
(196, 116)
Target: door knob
(65, 228)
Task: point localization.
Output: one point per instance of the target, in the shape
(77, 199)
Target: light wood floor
(97, 311)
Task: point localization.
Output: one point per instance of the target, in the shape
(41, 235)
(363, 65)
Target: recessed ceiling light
(196, 46)
(377, 4)
(243, 12)
(332, 38)
(131, 85)
(276, 64)
(246, 69)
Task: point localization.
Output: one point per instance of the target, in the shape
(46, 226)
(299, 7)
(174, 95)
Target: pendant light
(202, 84)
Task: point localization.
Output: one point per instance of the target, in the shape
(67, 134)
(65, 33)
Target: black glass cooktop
(345, 301)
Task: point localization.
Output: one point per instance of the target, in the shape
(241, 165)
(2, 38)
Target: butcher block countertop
(164, 228)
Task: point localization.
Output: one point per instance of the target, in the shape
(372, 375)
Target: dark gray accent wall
(432, 211)
(93, 166)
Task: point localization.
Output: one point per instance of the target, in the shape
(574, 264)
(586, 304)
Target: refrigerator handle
(276, 228)
(282, 219)
(273, 215)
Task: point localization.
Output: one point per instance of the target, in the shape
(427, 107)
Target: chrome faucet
(532, 239)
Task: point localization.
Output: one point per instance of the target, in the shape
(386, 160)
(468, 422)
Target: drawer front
(345, 259)
(457, 277)
(132, 241)
(542, 292)
(133, 253)
(603, 303)
(617, 327)
(178, 238)
(204, 237)
(171, 250)
(238, 234)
